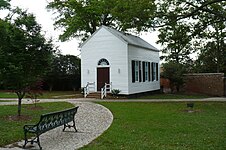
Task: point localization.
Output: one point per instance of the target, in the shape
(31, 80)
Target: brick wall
(212, 84)
(165, 85)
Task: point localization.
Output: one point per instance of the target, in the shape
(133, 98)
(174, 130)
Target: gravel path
(91, 121)
(13, 101)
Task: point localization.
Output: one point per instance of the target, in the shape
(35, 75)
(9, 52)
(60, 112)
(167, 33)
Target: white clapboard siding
(104, 44)
(136, 53)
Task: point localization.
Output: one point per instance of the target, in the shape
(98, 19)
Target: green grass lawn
(11, 131)
(5, 94)
(164, 126)
(173, 96)
(46, 94)
(61, 94)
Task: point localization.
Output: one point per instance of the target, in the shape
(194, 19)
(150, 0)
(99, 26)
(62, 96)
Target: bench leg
(69, 126)
(25, 139)
(64, 127)
(74, 126)
(38, 141)
(32, 141)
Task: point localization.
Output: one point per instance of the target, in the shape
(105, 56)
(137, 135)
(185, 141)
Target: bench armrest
(30, 128)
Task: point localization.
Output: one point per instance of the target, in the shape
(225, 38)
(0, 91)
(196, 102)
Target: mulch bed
(34, 107)
(23, 117)
(18, 118)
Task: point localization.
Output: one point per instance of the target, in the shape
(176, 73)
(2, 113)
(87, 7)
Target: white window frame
(103, 62)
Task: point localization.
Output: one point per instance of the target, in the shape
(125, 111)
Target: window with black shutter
(144, 71)
(136, 72)
(154, 69)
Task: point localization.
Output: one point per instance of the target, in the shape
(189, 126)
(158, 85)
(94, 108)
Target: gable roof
(128, 38)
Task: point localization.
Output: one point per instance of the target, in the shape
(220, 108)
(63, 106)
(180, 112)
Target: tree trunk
(50, 88)
(218, 51)
(178, 88)
(19, 107)
(171, 87)
(20, 95)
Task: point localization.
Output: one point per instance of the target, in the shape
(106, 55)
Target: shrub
(115, 92)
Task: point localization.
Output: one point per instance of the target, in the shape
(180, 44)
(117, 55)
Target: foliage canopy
(4, 4)
(24, 52)
(64, 73)
(82, 18)
(174, 72)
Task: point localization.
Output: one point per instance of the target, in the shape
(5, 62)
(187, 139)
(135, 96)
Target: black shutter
(133, 71)
(140, 78)
(152, 71)
(149, 72)
(157, 74)
(143, 67)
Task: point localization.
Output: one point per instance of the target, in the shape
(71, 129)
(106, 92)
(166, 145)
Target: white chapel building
(123, 61)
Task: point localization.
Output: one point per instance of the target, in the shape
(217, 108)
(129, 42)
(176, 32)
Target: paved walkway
(27, 101)
(91, 121)
(212, 99)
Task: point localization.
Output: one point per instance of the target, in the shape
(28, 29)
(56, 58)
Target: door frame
(109, 69)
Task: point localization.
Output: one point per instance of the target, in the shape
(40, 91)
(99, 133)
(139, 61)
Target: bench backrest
(55, 119)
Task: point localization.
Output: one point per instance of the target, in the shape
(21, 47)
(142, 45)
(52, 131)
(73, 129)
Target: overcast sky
(45, 18)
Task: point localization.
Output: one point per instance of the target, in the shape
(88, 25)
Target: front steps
(96, 95)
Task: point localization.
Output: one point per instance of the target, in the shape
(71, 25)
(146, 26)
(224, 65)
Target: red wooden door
(102, 77)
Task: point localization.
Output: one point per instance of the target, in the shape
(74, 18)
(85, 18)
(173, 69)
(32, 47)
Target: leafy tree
(174, 72)
(34, 91)
(176, 39)
(4, 4)
(210, 60)
(81, 18)
(190, 25)
(24, 53)
(64, 73)
(186, 10)
(212, 30)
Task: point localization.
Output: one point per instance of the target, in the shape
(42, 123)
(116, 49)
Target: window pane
(136, 71)
(146, 71)
(154, 72)
(136, 76)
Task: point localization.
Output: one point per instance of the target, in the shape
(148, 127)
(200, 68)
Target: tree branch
(192, 13)
(202, 7)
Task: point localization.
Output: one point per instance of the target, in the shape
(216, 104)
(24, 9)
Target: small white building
(124, 61)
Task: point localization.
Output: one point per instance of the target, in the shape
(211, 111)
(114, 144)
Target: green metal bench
(50, 121)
